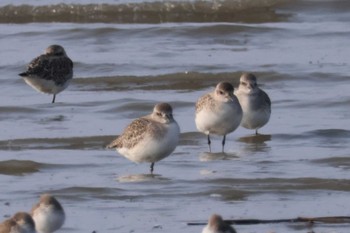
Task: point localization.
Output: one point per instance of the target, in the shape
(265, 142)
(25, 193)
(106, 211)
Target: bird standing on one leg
(255, 103)
(218, 112)
(51, 72)
(149, 138)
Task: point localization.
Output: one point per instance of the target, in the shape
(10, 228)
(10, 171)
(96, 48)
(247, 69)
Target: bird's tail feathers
(24, 74)
(113, 144)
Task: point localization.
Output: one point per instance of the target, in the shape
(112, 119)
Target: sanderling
(48, 214)
(21, 222)
(149, 138)
(218, 112)
(217, 225)
(50, 72)
(255, 103)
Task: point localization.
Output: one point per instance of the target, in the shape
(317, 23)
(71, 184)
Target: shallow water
(299, 166)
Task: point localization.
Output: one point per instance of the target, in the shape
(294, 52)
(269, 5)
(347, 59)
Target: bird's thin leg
(54, 97)
(223, 143)
(256, 132)
(152, 166)
(209, 142)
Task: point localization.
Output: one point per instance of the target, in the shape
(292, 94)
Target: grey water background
(129, 55)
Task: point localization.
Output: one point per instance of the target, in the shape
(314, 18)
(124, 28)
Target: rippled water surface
(129, 55)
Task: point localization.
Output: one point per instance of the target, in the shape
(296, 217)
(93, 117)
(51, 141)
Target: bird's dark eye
(244, 84)
(221, 92)
(159, 114)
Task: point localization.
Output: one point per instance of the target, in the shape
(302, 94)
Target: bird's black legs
(152, 166)
(223, 143)
(54, 97)
(256, 132)
(209, 142)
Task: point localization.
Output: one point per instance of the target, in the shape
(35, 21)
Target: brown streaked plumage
(136, 131)
(50, 72)
(149, 138)
(21, 222)
(206, 101)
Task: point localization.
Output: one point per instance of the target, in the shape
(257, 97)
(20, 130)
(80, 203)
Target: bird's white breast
(152, 148)
(254, 116)
(47, 219)
(224, 120)
(45, 86)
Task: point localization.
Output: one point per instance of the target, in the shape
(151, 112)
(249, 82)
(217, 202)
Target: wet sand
(298, 167)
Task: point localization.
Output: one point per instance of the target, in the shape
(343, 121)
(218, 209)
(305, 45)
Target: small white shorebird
(21, 222)
(218, 112)
(217, 225)
(149, 138)
(256, 104)
(51, 72)
(48, 214)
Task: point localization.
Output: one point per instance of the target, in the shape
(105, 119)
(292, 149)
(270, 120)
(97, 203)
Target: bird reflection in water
(256, 143)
